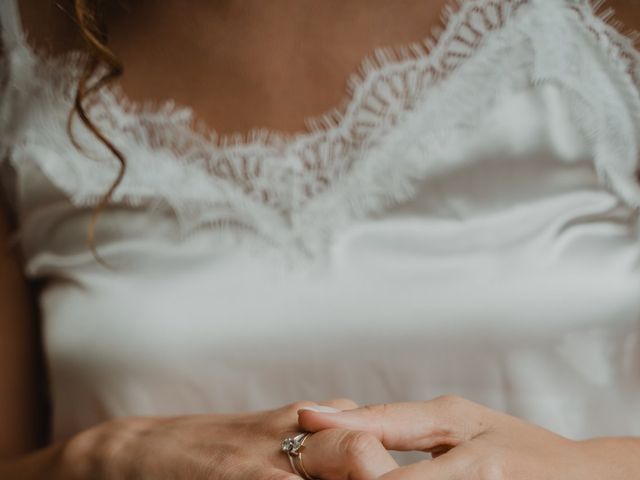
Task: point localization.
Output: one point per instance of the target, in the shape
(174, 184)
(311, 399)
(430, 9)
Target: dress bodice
(467, 222)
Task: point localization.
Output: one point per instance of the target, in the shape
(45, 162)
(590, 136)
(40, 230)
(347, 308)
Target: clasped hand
(467, 442)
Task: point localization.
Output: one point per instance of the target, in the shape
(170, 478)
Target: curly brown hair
(102, 67)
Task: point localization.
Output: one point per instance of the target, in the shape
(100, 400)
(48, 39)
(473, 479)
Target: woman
(464, 224)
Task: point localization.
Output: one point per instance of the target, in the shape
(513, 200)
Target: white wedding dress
(466, 223)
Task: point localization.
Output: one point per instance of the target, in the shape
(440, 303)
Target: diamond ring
(294, 447)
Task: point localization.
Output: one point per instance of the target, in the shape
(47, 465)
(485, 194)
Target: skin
(20, 398)
(242, 64)
(472, 442)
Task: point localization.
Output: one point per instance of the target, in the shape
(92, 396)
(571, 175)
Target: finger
(287, 415)
(284, 420)
(430, 470)
(331, 406)
(445, 421)
(346, 455)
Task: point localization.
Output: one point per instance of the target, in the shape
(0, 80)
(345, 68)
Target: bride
(220, 215)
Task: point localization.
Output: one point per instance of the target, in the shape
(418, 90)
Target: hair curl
(102, 68)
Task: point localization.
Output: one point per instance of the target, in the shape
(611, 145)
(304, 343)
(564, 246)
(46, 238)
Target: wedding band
(294, 447)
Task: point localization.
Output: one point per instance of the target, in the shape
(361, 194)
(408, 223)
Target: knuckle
(451, 402)
(375, 410)
(493, 468)
(448, 411)
(453, 406)
(357, 445)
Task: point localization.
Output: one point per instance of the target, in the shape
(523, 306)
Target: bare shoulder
(627, 12)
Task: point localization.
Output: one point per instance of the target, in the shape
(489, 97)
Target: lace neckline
(297, 189)
(336, 122)
(477, 16)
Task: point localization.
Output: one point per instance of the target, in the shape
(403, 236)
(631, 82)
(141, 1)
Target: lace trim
(297, 189)
(617, 149)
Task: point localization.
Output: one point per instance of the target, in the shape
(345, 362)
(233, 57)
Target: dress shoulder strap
(12, 34)
(16, 65)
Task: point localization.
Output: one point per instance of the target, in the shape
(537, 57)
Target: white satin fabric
(512, 281)
(510, 278)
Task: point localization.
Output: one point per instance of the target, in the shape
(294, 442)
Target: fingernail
(320, 409)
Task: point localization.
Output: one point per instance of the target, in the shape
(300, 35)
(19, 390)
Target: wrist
(80, 457)
(101, 452)
(46, 463)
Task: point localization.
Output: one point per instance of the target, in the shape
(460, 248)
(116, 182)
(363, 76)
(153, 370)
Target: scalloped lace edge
(366, 185)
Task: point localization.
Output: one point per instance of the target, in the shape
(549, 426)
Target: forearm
(46, 464)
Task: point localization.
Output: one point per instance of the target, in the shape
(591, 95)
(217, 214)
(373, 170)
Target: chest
(260, 65)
